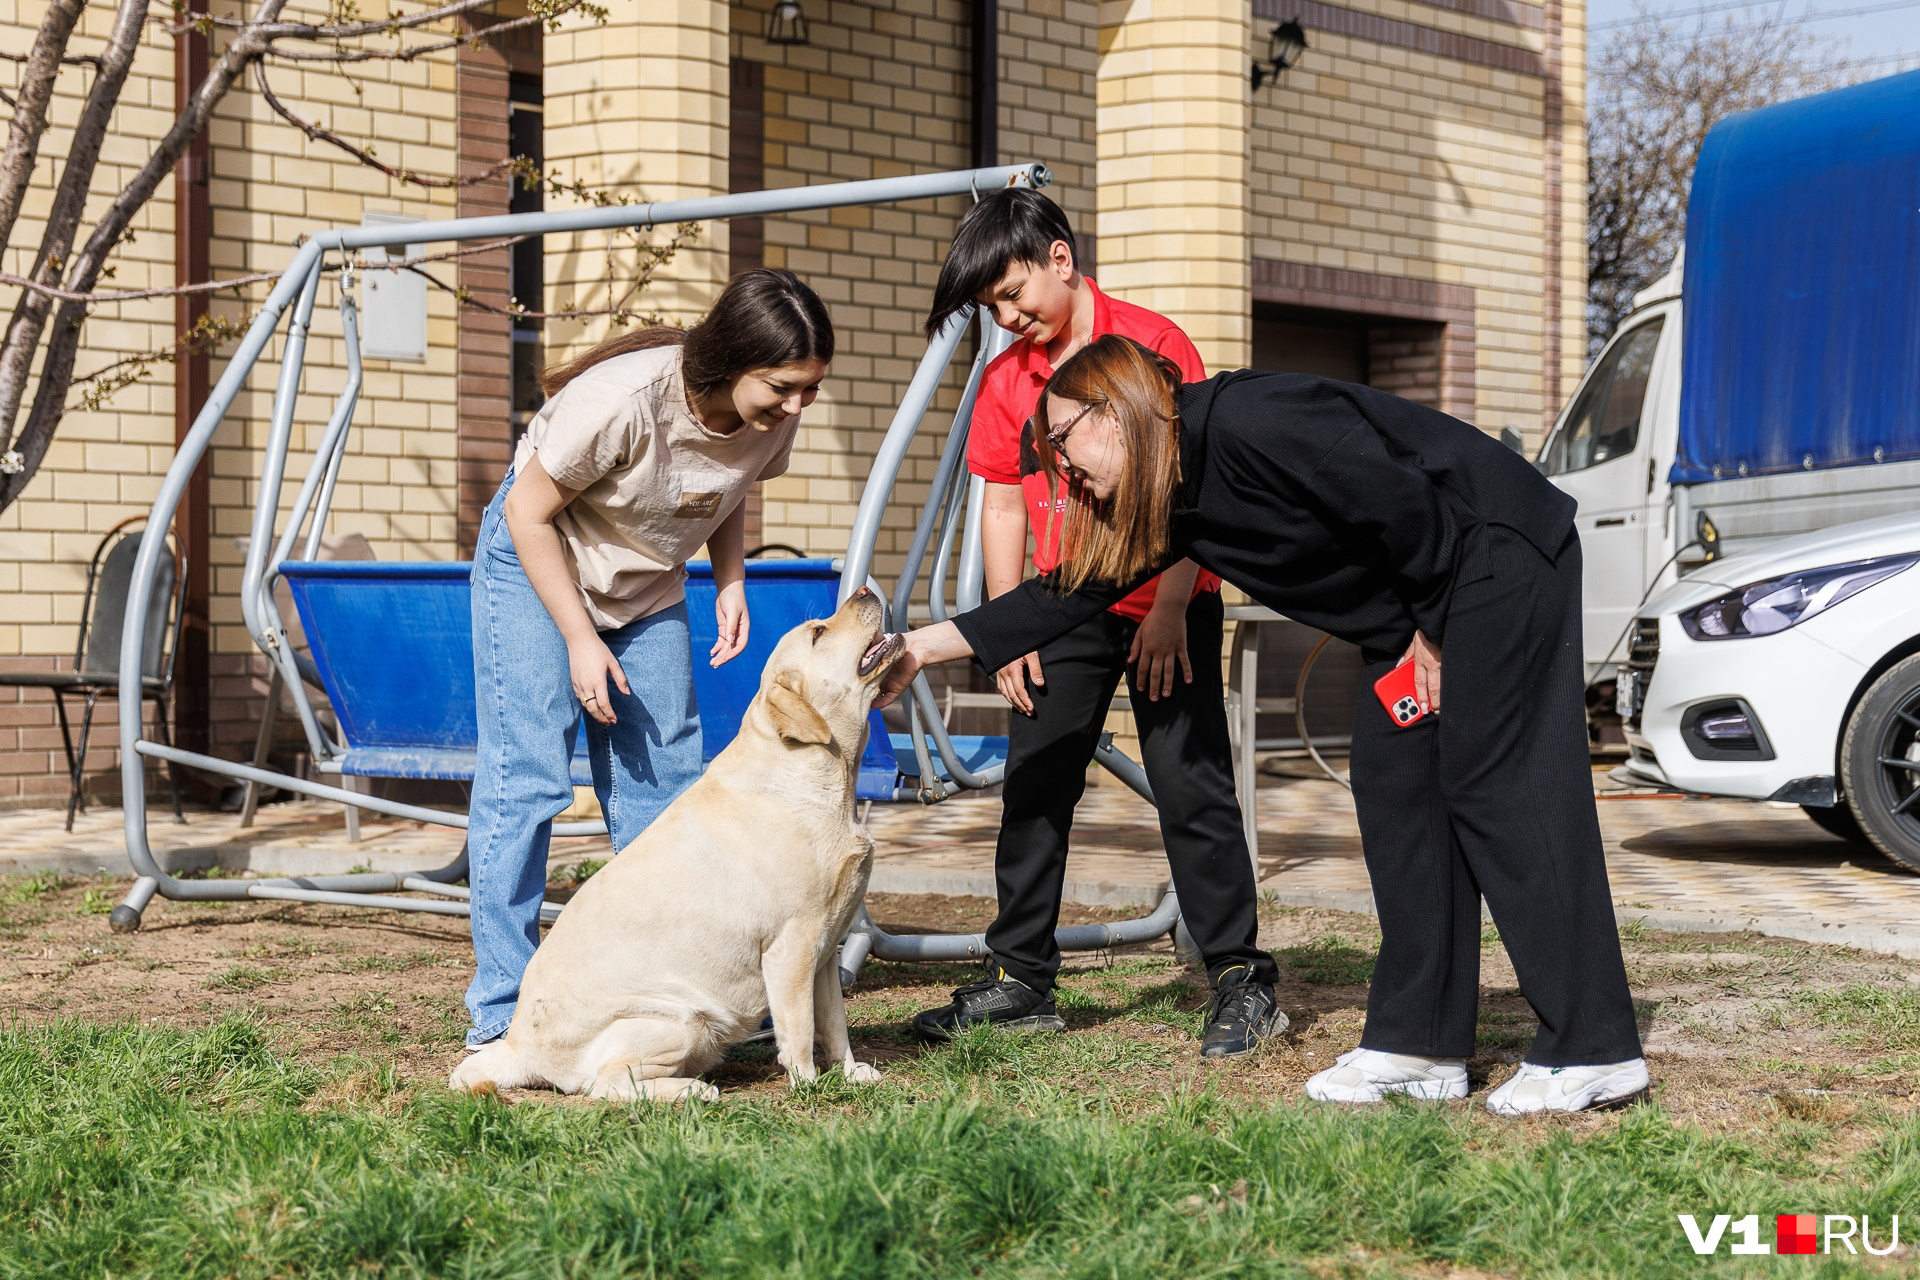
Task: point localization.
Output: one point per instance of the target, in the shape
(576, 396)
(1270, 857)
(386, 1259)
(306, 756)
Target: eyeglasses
(1058, 436)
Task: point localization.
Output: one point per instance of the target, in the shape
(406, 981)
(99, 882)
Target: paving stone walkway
(1696, 865)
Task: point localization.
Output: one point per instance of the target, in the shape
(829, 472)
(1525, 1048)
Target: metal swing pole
(297, 289)
(952, 480)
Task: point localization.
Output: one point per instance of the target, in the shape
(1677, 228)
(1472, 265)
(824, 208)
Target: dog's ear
(793, 716)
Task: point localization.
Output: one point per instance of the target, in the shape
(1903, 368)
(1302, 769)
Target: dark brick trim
(747, 237)
(1295, 284)
(1316, 16)
(483, 74)
(1511, 12)
(1449, 307)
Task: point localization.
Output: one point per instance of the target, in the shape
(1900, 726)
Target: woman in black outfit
(1407, 532)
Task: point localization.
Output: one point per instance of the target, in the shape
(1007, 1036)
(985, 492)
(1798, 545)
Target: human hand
(590, 662)
(1159, 646)
(1012, 684)
(899, 675)
(941, 642)
(730, 611)
(1426, 671)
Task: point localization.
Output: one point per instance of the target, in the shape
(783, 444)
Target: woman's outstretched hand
(1426, 671)
(941, 642)
(730, 612)
(898, 676)
(590, 663)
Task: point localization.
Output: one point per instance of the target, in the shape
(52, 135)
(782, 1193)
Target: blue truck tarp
(1801, 293)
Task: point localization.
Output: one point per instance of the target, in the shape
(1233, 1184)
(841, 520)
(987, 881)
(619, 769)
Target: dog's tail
(495, 1067)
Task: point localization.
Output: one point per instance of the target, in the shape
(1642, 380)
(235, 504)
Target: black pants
(1189, 762)
(1493, 798)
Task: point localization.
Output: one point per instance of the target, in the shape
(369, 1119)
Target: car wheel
(1880, 763)
(1836, 820)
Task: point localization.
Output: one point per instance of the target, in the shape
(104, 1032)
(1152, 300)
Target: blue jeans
(521, 782)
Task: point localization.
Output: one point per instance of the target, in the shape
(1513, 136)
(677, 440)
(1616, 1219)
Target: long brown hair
(1124, 538)
(763, 319)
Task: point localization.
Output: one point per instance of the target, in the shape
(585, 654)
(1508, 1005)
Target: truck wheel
(1836, 820)
(1880, 763)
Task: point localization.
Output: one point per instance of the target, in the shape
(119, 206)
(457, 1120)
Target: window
(1605, 421)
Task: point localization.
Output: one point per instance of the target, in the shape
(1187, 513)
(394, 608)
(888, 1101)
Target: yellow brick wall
(881, 91)
(1573, 196)
(637, 106)
(1173, 165)
(268, 184)
(104, 466)
(1363, 157)
(1371, 158)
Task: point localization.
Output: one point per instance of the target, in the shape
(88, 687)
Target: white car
(1790, 673)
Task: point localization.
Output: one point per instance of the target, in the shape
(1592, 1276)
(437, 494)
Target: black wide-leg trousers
(1494, 799)
(1189, 762)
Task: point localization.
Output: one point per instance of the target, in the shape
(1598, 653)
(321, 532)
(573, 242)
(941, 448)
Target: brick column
(1172, 121)
(638, 105)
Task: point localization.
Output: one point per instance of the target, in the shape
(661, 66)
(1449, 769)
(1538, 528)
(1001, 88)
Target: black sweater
(1340, 506)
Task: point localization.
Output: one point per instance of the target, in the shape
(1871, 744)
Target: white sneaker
(1536, 1088)
(1367, 1075)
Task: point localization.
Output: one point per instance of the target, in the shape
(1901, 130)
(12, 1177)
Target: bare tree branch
(135, 295)
(63, 219)
(102, 383)
(59, 291)
(70, 60)
(412, 52)
(236, 282)
(653, 257)
(56, 370)
(1657, 90)
(30, 110)
(515, 164)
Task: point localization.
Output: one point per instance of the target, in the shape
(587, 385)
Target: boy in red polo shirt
(1013, 255)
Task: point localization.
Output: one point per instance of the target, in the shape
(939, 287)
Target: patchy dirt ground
(1739, 1027)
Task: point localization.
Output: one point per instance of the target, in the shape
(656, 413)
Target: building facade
(1403, 207)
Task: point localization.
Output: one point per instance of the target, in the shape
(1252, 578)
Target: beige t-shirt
(654, 483)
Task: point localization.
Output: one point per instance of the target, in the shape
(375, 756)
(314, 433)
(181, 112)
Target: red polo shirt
(1000, 450)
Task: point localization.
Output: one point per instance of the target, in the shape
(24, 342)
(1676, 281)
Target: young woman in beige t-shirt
(644, 452)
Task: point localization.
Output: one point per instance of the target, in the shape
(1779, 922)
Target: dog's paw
(861, 1073)
(705, 1093)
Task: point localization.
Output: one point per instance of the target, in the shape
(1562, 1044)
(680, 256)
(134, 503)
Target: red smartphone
(1395, 691)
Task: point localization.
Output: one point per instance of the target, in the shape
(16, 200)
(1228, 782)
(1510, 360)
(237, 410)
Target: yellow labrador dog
(729, 906)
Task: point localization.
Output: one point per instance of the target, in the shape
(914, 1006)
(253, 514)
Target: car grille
(1643, 651)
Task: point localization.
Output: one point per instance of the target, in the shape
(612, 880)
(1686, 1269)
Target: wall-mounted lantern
(786, 23)
(1284, 47)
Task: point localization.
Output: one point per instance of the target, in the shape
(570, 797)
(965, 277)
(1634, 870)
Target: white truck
(1763, 395)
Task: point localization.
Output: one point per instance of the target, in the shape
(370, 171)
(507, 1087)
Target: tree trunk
(56, 370)
(30, 111)
(69, 205)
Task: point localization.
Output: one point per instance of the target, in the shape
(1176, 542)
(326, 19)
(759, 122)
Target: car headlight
(1786, 601)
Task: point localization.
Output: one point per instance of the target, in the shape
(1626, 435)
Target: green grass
(142, 1152)
(242, 977)
(1330, 962)
(29, 888)
(1867, 1015)
(577, 873)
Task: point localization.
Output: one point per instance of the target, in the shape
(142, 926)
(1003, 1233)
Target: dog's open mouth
(884, 649)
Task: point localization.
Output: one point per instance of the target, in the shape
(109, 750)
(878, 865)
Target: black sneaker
(1242, 1015)
(999, 999)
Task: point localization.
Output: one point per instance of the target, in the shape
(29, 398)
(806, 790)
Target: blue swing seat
(394, 646)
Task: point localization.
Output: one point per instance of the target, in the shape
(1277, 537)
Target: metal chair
(96, 651)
